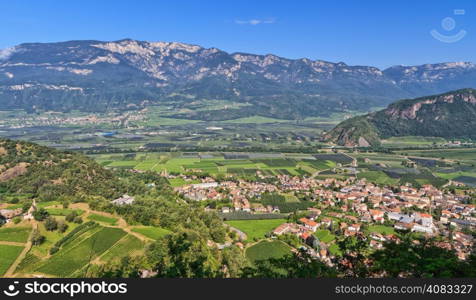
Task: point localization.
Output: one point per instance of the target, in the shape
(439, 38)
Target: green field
(381, 229)
(8, 255)
(325, 236)
(467, 155)
(63, 211)
(15, 234)
(103, 219)
(406, 141)
(47, 203)
(151, 232)
(175, 182)
(265, 250)
(256, 229)
(28, 263)
(126, 246)
(80, 253)
(378, 177)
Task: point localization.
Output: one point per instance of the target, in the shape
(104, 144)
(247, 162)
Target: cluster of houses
(54, 119)
(238, 193)
(355, 202)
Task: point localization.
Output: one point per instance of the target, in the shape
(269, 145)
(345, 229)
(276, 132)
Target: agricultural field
(151, 232)
(9, 254)
(413, 167)
(241, 164)
(266, 249)
(129, 245)
(51, 237)
(463, 155)
(256, 229)
(15, 234)
(47, 204)
(78, 254)
(378, 177)
(28, 263)
(412, 141)
(63, 211)
(468, 180)
(175, 182)
(103, 219)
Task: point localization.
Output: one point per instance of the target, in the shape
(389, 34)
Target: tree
(353, 262)
(422, 259)
(51, 224)
(233, 260)
(71, 216)
(184, 254)
(36, 238)
(62, 226)
(78, 220)
(296, 265)
(40, 214)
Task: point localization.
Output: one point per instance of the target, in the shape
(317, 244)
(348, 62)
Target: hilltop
(448, 115)
(38, 171)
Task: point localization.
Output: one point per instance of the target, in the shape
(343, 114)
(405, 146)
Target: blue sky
(378, 33)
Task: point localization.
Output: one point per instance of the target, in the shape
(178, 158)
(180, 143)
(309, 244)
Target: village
(348, 208)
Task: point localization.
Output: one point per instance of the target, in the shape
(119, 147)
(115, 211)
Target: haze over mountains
(127, 74)
(450, 115)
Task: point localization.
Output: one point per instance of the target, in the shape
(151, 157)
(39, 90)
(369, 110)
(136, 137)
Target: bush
(16, 220)
(53, 250)
(78, 220)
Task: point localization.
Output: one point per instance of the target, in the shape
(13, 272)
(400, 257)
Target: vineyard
(77, 254)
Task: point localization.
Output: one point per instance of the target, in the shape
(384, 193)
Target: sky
(357, 32)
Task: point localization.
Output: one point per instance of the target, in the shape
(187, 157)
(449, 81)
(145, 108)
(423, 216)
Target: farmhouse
(311, 225)
(124, 200)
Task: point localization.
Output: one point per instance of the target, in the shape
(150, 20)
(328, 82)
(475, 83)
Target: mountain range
(128, 74)
(450, 115)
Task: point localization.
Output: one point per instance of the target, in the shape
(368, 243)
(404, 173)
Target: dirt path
(12, 243)
(10, 272)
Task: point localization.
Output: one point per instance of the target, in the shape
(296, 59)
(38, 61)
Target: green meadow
(15, 234)
(151, 232)
(256, 229)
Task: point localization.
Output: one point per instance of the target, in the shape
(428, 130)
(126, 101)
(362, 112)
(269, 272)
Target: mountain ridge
(95, 75)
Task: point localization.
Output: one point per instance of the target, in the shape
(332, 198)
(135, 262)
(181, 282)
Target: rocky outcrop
(449, 115)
